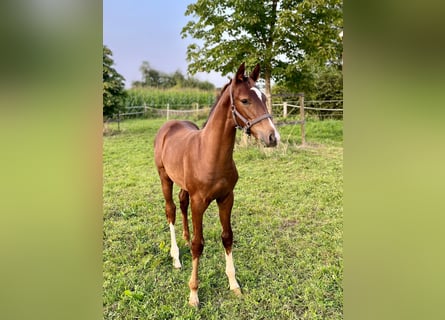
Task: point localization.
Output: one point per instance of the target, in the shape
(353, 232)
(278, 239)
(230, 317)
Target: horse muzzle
(271, 139)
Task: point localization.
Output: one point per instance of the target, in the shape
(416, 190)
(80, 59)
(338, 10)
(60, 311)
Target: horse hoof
(237, 291)
(194, 301)
(194, 304)
(177, 264)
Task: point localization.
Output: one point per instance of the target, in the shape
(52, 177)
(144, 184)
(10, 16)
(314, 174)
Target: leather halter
(248, 123)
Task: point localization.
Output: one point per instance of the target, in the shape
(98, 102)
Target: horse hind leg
(225, 210)
(174, 249)
(170, 212)
(184, 201)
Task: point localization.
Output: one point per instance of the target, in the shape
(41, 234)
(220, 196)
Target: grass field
(286, 220)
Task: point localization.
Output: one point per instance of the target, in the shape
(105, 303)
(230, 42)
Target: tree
(113, 85)
(178, 78)
(317, 82)
(150, 76)
(279, 34)
(157, 79)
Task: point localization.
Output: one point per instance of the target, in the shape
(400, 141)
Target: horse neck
(219, 133)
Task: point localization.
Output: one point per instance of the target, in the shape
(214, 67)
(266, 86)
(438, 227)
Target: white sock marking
(230, 271)
(193, 299)
(174, 250)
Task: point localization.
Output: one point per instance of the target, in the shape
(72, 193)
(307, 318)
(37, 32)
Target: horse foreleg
(198, 208)
(184, 201)
(193, 283)
(225, 210)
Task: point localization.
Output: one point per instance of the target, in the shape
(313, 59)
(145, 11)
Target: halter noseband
(248, 123)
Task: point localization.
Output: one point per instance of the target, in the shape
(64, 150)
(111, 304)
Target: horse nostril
(272, 139)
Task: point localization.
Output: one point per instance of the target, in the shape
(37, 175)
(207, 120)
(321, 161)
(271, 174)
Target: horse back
(174, 129)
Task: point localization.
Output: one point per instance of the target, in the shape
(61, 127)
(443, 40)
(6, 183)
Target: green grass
(287, 224)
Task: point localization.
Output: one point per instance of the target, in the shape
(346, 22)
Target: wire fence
(287, 112)
(318, 109)
(168, 112)
(281, 110)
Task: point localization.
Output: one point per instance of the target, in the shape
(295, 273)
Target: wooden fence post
(285, 109)
(302, 119)
(168, 111)
(118, 120)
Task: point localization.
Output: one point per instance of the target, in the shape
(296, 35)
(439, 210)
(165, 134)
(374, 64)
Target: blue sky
(138, 30)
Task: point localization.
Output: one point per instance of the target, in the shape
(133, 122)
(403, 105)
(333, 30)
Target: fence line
(323, 101)
(178, 110)
(322, 109)
(309, 108)
(165, 112)
(196, 109)
(301, 106)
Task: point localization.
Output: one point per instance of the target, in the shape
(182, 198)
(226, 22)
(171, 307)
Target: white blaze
(277, 134)
(258, 92)
(260, 95)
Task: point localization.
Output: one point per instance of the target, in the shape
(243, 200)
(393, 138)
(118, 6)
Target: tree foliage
(113, 85)
(153, 78)
(279, 34)
(317, 82)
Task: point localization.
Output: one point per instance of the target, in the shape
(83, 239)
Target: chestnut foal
(200, 162)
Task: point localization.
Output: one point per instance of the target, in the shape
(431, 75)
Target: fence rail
(196, 111)
(166, 112)
(311, 108)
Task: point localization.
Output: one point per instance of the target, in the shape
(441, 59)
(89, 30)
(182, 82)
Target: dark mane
(216, 102)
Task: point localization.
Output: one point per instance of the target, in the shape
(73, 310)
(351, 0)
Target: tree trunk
(269, 56)
(267, 78)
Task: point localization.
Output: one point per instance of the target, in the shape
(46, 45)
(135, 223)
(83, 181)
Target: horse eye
(244, 101)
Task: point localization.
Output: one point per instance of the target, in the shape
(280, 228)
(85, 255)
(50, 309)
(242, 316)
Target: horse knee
(184, 200)
(227, 239)
(170, 212)
(197, 248)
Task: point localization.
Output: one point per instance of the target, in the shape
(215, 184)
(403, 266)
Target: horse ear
(240, 73)
(255, 74)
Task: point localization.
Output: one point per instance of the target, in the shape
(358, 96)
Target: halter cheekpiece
(248, 123)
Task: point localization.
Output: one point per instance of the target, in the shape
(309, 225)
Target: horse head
(249, 107)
